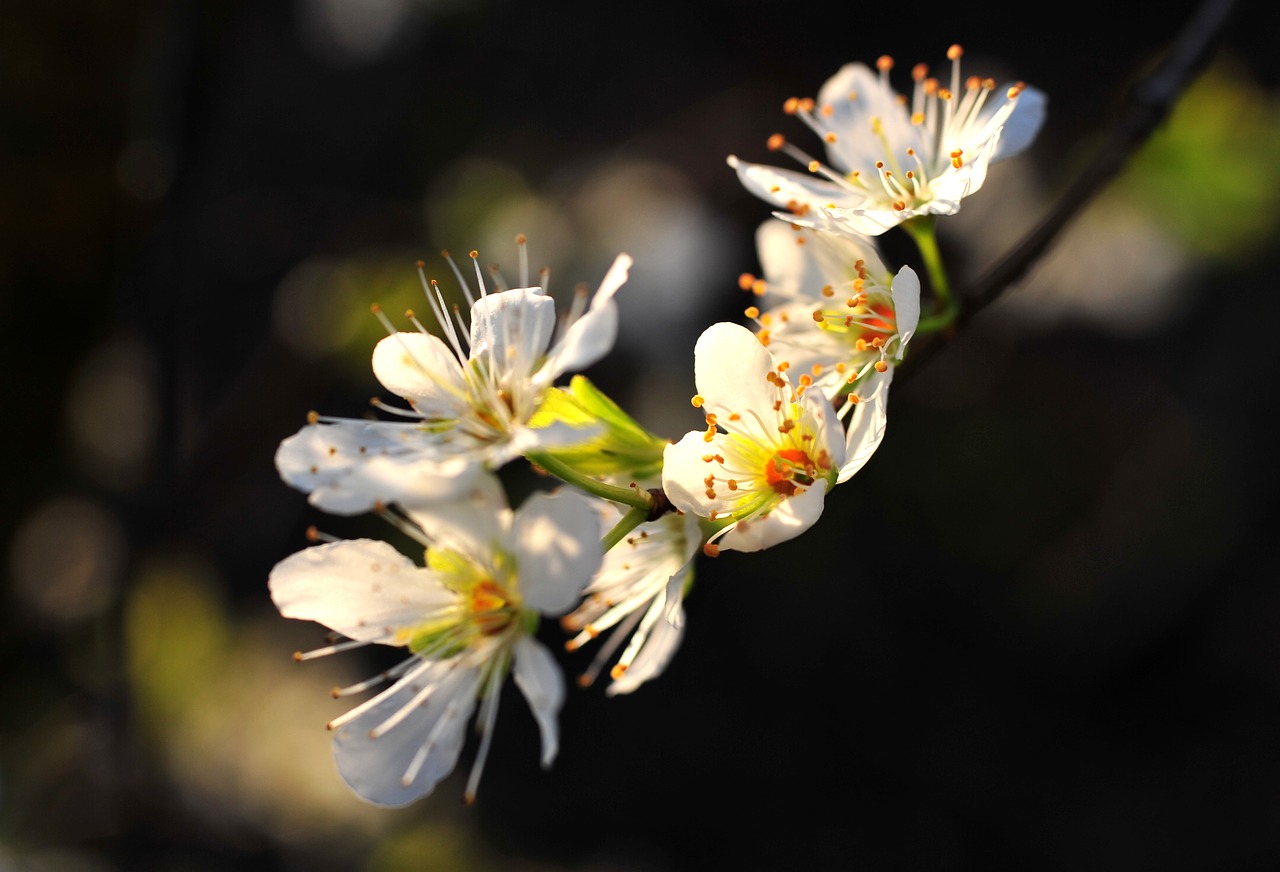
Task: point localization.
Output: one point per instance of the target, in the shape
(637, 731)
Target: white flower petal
(591, 337)
(786, 187)
(348, 467)
(363, 588)
(512, 329)
(866, 427)
(538, 676)
(868, 221)
(788, 519)
(683, 471)
(407, 761)
(556, 540)
(859, 146)
(730, 368)
(473, 522)
(423, 370)
(906, 304)
(663, 640)
(1023, 124)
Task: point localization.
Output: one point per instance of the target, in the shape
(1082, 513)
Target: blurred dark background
(1040, 631)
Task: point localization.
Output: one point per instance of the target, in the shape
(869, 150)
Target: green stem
(633, 497)
(922, 232)
(632, 519)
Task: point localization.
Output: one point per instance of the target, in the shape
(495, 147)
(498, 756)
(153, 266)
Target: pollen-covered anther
(854, 399)
(830, 137)
(697, 400)
(955, 52)
(814, 166)
(957, 160)
(733, 484)
(775, 142)
(818, 316)
(1016, 89)
(711, 549)
(899, 205)
(806, 104)
(828, 291)
(758, 287)
(787, 426)
(751, 312)
(881, 366)
(791, 105)
(827, 110)
(884, 63)
(919, 72)
(746, 280)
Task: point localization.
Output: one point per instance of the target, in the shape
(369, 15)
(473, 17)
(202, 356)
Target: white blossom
(467, 618)
(889, 157)
(470, 397)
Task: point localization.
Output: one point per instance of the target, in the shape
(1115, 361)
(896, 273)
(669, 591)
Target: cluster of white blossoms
(793, 404)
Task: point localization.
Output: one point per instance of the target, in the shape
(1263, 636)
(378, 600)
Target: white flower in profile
(466, 619)
(891, 158)
(771, 450)
(637, 597)
(470, 398)
(840, 316)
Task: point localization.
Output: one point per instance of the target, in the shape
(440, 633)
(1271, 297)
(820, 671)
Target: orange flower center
(490, 611)
(788, 470)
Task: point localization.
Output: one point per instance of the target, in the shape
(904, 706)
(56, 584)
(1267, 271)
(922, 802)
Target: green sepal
(622, 450)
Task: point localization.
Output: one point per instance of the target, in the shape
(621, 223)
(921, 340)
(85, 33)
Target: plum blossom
(470, 397)
(890, 158)
(760, 471)
(467, 619)
(637, 597)
(840, 315)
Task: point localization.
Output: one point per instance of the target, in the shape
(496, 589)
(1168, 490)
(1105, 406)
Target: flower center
(788, 470)
(490, 608)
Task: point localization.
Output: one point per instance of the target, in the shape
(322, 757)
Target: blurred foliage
(1210, 173)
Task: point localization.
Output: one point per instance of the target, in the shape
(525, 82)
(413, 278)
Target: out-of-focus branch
(1149, 102)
